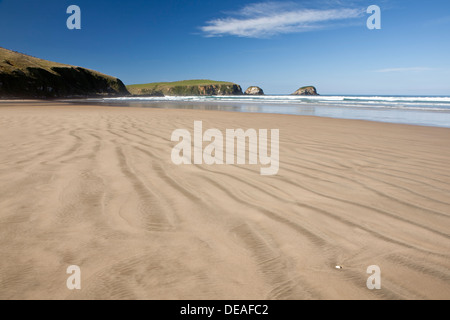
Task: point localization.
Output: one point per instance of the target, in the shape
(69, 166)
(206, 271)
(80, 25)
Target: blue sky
(278, 45)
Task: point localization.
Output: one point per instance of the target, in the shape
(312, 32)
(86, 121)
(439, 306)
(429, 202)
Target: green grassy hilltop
(186, 88)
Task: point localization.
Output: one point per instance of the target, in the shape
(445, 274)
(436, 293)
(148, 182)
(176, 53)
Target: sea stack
(254, 91)
(306, 91)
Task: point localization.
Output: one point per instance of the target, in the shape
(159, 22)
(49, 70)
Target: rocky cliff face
(306, 91)
(254, 91)
(189, 90)
(205, 90)
(23, 76)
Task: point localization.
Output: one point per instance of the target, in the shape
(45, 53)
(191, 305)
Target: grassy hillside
(185, 88)
(178, 83)
(24, 76)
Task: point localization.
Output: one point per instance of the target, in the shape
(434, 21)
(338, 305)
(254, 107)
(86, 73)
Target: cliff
(306, 91)
(254, 91)
(187, 88)
(23, 76)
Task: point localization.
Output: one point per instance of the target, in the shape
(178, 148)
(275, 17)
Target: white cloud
(413, 69)
(269, 18)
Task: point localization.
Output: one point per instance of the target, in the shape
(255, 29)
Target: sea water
(425, 111)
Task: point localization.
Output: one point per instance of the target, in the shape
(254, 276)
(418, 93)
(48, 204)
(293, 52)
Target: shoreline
(194, 104)
(95, 187)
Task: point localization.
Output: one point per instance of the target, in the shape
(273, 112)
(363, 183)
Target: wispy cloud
(267, 19)
(413, 69)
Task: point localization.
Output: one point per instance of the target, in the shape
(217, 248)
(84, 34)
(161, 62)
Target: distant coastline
(26, 77)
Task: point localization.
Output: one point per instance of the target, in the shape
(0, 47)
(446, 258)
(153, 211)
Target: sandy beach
(95, 187)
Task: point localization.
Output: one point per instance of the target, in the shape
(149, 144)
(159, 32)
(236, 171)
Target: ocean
(424, 111)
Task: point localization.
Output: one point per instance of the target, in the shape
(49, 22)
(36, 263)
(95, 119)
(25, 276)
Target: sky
(277, 45)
